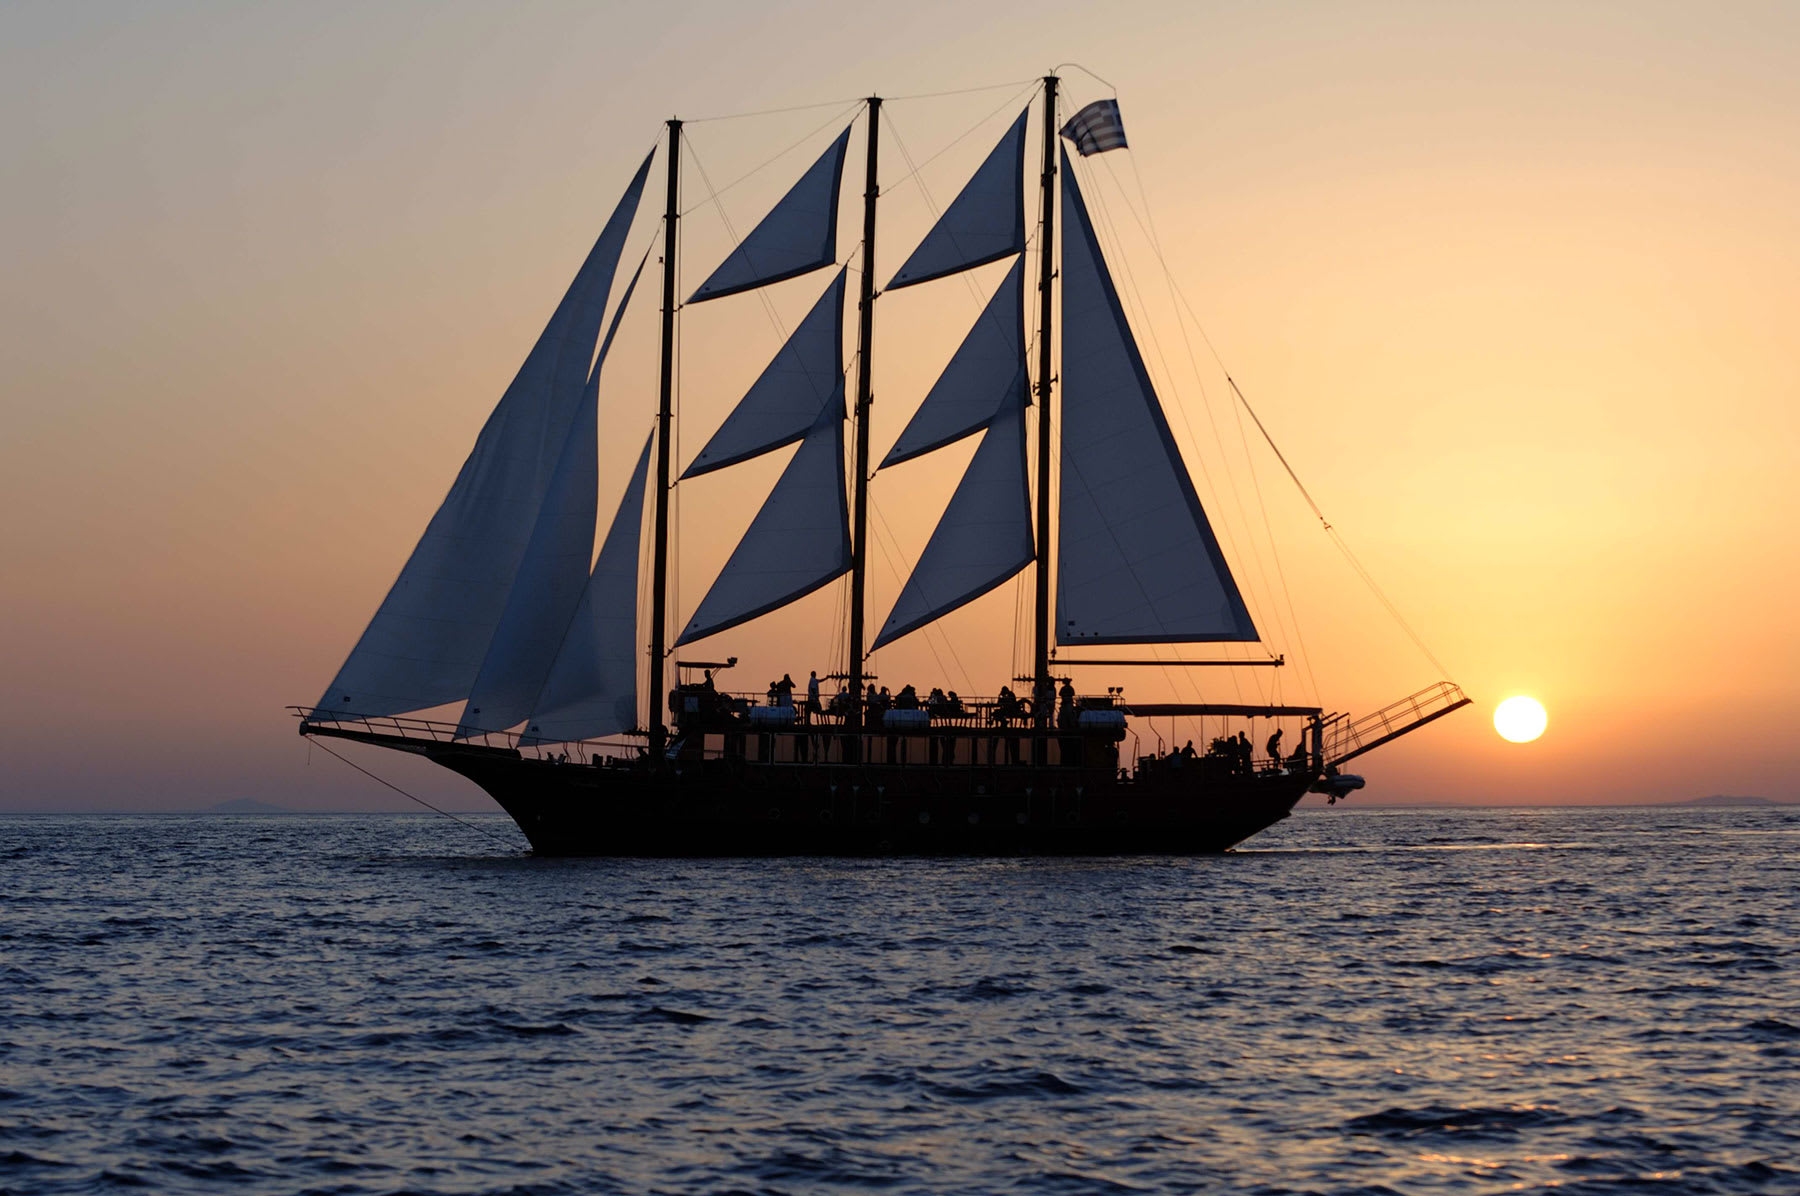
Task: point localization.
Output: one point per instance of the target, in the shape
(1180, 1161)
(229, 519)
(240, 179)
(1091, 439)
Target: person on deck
(784, 690)
(812, 694)
(1245, 753)
(1275, 745)
(1065, 704)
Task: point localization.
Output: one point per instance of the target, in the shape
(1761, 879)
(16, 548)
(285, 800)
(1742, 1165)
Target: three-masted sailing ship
(504, 607)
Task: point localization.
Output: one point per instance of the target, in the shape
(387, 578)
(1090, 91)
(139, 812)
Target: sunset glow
(1508, 285)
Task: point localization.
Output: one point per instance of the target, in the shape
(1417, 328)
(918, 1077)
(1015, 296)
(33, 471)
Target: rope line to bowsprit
(410, 797)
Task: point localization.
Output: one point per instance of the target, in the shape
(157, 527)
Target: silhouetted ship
(498, 608)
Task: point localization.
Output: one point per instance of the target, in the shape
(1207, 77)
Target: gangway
(1348, 738)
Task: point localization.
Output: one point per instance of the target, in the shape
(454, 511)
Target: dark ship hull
(731, 806)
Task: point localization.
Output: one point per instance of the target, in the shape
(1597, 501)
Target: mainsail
(552, 573)
(799, 540)
(592, 688)
(1137, 561)
(797, 236)
(426, 643)
(984, 223)
(983, 538)
(985, 376)
(785, 400)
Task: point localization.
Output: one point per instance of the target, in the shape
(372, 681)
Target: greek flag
(1096, 128)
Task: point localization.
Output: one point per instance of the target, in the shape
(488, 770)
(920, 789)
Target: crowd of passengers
(1008, 709)
(1234, 752)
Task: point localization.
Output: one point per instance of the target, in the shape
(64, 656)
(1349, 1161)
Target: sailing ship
(504, 607)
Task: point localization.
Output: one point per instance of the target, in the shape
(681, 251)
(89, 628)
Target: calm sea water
(1470, 1002)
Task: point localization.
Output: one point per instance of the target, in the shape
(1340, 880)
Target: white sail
(983, 538)
(984, 223)
(546, 587)
(985, 376)
(426, 643)
(798, 235)
(592, 689)
(552, 573)
(787, 397)
(1137, 561)
(799, 540)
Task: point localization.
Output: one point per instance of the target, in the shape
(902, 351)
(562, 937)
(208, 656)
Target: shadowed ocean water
(1484, 1001)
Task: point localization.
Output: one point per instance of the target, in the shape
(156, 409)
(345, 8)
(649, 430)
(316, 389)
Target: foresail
(425, 645)
(592, 689)
(798, 235)
(786, 399)
(984, 223)
(799, 540)
(985, 376)
(547, 586)
(552, 573)
(983, 538)
(1137, 560)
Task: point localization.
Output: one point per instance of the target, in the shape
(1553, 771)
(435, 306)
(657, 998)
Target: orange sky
(1513, 289)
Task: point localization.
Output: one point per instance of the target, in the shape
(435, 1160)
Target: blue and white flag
(1096, 128)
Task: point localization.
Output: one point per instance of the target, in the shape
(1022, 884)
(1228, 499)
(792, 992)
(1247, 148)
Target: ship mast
(1041, 709)
(659, 585)
(865, 336)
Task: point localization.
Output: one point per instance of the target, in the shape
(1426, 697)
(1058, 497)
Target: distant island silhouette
(1726, 799)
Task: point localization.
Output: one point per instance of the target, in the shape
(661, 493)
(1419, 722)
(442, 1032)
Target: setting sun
(1520, 719)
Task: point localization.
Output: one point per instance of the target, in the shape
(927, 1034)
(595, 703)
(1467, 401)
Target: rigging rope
(766, 162)
(411, 797)
(705, 120)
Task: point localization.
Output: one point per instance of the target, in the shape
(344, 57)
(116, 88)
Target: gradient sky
(1513, 287)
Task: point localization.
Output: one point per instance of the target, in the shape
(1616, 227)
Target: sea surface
(1472, 1001)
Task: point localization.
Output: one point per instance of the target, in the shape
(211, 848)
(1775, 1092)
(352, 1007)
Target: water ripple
(1584, 1001)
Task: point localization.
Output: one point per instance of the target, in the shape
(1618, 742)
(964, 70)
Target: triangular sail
(425, 645)
(552, 573)
(592, 689)
(985, 376)
(797, 236)
(1137, 560)
(983, 538)
(984, 223)
(799, 540)
(786, 399)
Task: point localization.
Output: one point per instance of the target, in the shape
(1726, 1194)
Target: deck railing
(426, 730)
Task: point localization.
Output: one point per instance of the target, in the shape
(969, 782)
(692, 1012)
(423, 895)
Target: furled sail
(552, 573)
(798, 235)
(799, 540)
(592, 689)
(786, 399)
(426, 643)
(1137, 560)
(985, 376)
(983, 538)
(984, 223)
